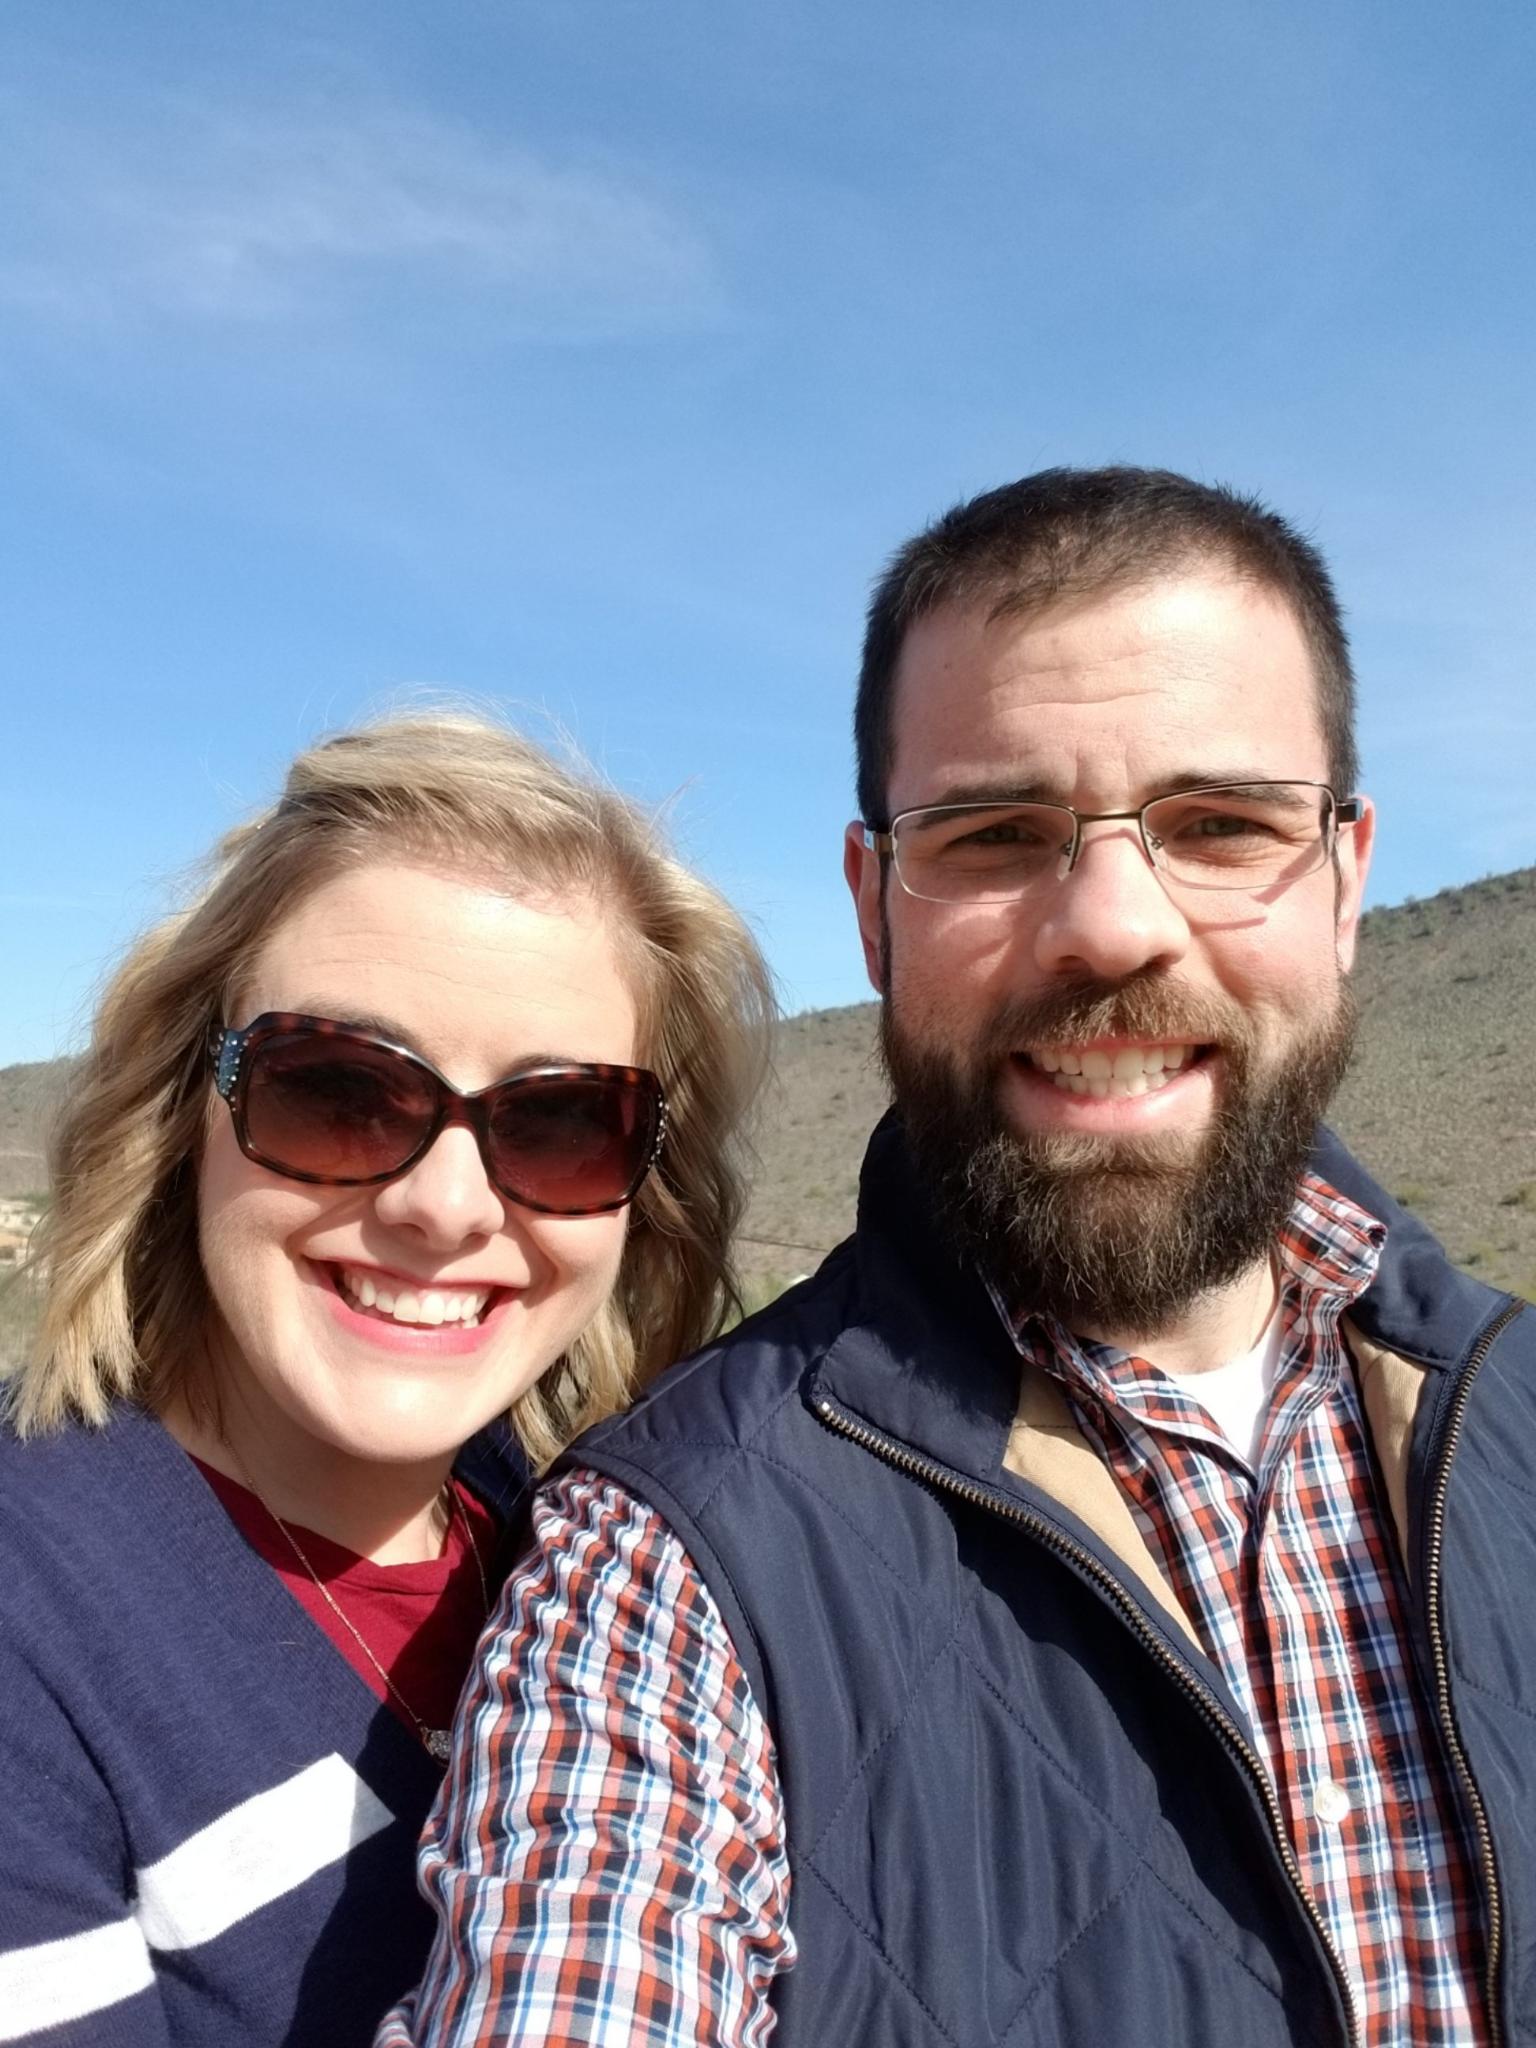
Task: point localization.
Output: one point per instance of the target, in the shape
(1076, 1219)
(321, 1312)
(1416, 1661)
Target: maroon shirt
(420, 1620)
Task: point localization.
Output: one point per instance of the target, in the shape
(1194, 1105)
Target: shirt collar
(1328, 1250)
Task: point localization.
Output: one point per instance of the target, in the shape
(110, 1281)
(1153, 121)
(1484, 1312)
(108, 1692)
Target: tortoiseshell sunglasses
(331, 1104)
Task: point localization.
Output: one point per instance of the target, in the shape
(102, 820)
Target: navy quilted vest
(1017, 1812)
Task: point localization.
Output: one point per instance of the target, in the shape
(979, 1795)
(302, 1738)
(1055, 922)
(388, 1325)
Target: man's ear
(1353, 856)
(863, 868)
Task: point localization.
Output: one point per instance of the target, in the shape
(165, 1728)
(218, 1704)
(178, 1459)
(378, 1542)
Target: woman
(417, 1124)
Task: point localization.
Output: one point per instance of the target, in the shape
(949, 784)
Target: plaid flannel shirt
(1292, 1578)
(607, 1858)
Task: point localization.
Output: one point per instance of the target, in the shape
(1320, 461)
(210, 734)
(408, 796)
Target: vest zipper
(1209, 1706)
(1434, 1544)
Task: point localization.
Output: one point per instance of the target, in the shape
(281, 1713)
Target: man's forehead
(1202, 670)
(1202, 600)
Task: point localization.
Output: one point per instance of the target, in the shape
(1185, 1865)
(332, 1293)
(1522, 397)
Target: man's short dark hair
(1067, 533)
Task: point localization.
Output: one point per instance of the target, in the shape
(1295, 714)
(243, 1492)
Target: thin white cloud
(221, 218)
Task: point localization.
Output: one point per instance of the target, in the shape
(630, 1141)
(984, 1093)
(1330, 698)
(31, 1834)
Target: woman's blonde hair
(125, 1293)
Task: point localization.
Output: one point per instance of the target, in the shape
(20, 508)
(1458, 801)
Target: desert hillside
(1440, 1103)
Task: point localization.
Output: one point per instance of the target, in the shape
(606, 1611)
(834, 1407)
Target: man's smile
(1112, 1068)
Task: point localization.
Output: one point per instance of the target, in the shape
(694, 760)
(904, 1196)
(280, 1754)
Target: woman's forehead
(457, 967)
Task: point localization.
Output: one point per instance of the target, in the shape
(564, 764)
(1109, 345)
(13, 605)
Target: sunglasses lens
(319, 1105)
(572, 1142)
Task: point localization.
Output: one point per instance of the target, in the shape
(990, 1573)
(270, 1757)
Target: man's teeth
(1129, 1070)
(425, 1307)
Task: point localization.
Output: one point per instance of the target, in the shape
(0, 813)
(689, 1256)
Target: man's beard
(1115, 1233)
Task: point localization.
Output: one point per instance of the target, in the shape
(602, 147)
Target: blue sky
(590, 356)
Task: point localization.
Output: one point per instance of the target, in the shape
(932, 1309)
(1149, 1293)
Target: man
(1100, 1606)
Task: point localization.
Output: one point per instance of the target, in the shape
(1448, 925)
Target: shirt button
(1330, 1802)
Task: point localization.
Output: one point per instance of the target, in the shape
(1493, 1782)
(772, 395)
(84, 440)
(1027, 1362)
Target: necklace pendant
(439, 1743)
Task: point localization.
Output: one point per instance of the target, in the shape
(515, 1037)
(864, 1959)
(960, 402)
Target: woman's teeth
(1129, 1070)
(424, 1307)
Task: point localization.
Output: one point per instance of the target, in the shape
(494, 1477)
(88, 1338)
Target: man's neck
(1209, 1333)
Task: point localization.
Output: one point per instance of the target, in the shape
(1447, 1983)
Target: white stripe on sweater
(256, 1853)
(54, 1981)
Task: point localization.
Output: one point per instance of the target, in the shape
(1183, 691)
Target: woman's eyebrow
(370, 1022)
(373, 1024)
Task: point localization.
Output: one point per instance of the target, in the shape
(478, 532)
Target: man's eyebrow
(1245, 781)
(958, 794)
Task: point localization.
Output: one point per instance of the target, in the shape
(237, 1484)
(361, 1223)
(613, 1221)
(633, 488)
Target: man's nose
(1111, 916)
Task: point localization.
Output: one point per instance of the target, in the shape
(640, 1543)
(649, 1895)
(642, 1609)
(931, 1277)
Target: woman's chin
(394, 1393)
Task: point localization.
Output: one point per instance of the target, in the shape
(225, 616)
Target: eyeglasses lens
(335, 1111)
(570, 1142)
(1240, 838)
(976, 854)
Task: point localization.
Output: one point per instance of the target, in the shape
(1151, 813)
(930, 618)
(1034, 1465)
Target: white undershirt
(1236, 1395)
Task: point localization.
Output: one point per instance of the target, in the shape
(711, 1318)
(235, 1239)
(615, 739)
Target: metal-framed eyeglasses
(1242, 837)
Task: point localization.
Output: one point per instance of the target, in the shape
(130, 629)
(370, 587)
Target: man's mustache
(1145, 1006)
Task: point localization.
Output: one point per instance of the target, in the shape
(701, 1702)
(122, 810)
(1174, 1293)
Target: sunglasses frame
(230, 1051)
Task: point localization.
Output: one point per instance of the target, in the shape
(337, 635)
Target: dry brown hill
(28, 1097)
(1440, 1103)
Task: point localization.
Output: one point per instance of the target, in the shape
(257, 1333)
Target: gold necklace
(438, 1742)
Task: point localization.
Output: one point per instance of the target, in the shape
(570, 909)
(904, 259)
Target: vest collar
(924, 1359)
(927, 1363)
(1419, 1305)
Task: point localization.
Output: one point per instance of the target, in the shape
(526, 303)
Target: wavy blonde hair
(119, 1247)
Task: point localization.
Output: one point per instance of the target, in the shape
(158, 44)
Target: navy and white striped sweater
(208, 1822)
